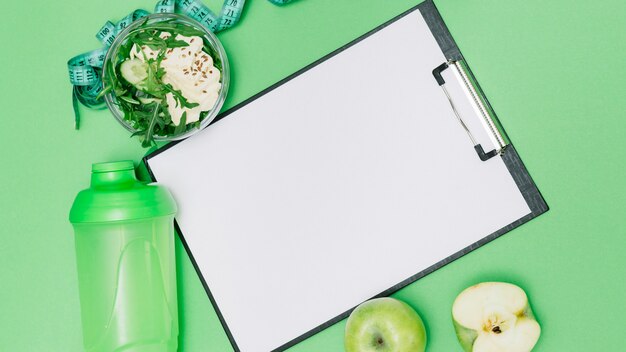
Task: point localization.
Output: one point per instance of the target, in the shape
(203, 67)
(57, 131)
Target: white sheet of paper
(333, 187)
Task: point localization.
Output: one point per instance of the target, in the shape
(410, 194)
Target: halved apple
(495, 317)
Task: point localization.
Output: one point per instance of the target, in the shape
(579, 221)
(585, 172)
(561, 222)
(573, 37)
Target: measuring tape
(86, 69)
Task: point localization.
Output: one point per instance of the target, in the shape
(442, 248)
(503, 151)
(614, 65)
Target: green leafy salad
(165, 79)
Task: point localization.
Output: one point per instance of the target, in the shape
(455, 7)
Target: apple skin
(385, 325)
(465, 336)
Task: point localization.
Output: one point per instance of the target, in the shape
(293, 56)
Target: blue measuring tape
(86, 69)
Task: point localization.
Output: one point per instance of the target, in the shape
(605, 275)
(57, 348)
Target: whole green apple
(385, 325)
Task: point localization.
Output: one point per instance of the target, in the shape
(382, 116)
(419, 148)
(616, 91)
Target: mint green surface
(553, 71)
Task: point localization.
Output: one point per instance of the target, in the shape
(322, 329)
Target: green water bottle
(124, 235)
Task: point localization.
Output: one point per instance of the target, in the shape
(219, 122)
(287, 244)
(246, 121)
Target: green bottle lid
(116, 195)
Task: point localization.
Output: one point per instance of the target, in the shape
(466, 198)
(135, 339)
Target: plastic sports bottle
(124, 236)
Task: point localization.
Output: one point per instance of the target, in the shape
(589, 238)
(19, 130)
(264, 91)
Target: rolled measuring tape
(85, 70)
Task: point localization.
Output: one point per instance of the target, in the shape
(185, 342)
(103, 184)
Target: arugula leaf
(177, 28)
(181, 124)
(149, 136)
(129, 100)
(173, 43)
(137, 133)
(103, 92)
(180, 99)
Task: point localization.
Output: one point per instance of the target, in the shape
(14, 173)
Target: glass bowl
(113, 58)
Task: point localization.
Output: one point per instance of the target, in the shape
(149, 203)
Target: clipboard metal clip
(478, 104)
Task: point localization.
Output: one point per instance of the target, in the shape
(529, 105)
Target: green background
(553, 70)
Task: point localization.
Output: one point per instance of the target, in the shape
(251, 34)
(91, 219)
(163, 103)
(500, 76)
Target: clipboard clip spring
(484, 156)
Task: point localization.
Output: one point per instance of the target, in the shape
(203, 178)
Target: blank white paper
(333, 187)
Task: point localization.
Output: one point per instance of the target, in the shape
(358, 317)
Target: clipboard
(348, 180)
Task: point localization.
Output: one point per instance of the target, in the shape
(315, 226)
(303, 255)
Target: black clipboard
(506, 152)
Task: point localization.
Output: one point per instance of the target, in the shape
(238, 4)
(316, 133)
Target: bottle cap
(116, 195)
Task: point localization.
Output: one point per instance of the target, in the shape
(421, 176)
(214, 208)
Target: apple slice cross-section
(495, 317)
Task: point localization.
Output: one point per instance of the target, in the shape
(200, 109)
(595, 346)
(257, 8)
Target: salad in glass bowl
(165, 77)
